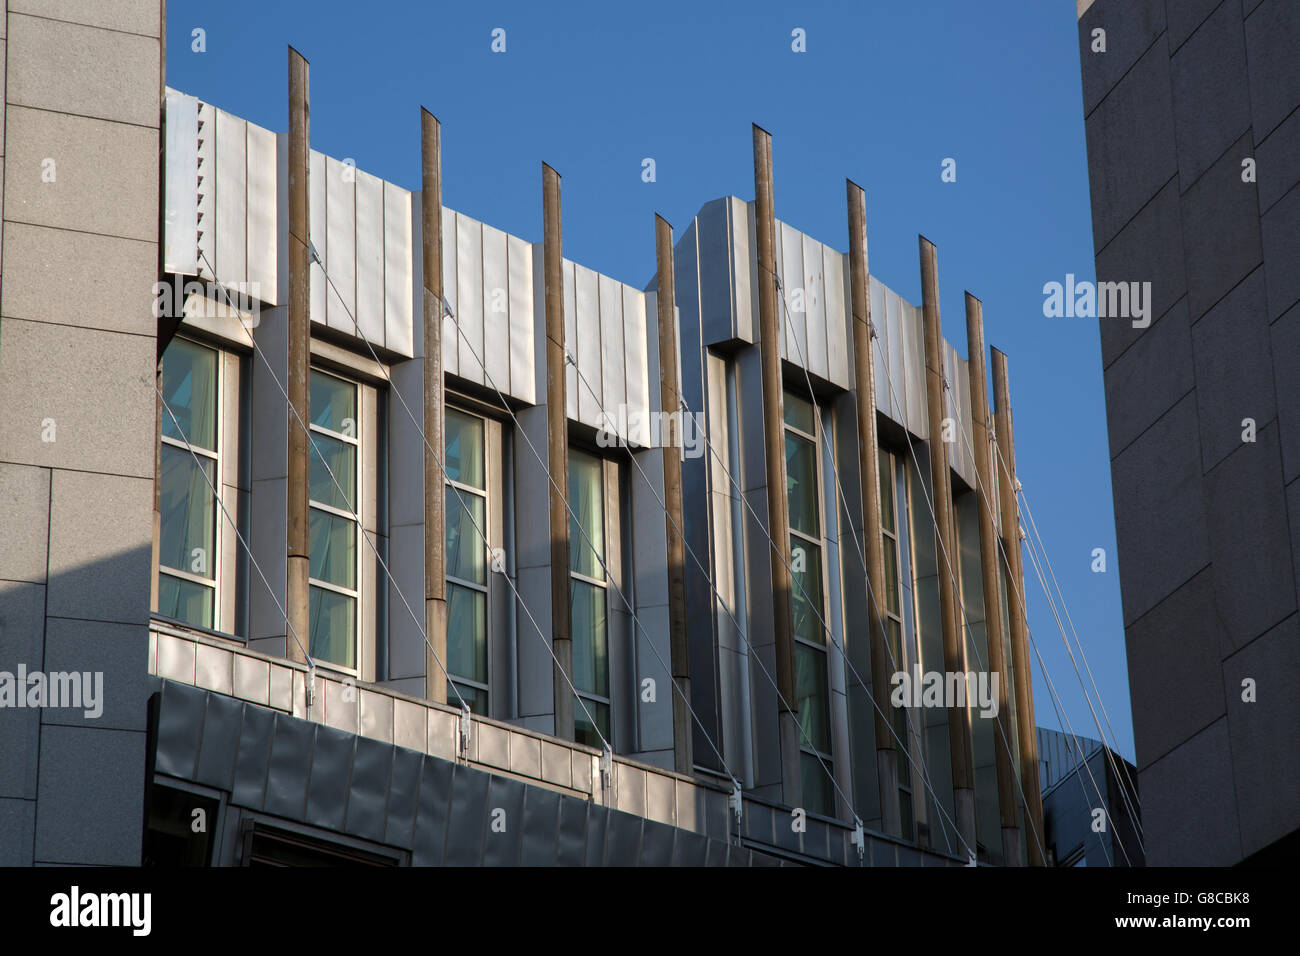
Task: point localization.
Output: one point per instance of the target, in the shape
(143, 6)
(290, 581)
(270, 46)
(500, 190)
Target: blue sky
(884, 93)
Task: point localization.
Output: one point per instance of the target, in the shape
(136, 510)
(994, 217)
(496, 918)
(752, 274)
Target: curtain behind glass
(587, 499)
(190, 389)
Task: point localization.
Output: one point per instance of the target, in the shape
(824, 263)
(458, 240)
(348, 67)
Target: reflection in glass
(333, 404)
(340, 491)
(187, 536)
(464, 458)
(333, 549)
(189, 386)
(333, 627)
(590, 641)
(801, 484)
(466, 552)
(467, 633)
(587, 499)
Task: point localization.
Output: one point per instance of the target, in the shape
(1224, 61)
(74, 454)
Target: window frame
(607, 701)
(827, 756)
(485, 494)
(887, 457)
(215, 560)
(355, 517)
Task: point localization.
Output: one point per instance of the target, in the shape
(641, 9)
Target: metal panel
(469, 297)
(570, 333)
(522, 384)
(399, 251)
(262, 214)
(814, 306)
(341, 239)
(838, 318)
(913, 377)
(742, 237)
(636, 339)
(880, 347)
(180, 253)
(711, 281)
(231, 223)
(207, 188)
(897, 367)
(584, 341)
(370, 257)
(496, 308)
(612, 384)
(450, 340)
(331, 770)
(318, 230)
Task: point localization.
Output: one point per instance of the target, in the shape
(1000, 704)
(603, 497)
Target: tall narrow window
(333, 528)
(467, 530)
(808, 604)
(890, 468)
(187, 552)
(588, 598)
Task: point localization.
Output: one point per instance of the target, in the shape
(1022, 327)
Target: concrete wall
(1208, 524)
(77, 366)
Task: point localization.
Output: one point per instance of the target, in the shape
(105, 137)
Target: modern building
(1194, 160)
(396, 539)
(1091, 812)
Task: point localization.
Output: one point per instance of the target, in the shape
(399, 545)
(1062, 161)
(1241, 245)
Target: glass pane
(817, 792)
(806, 606)
(801, 484)
(891, 574)
(587, 499)
(476, 698)
(464, 458)
(465, 548)
(189, 387)
(187, 536)
(333, 404)
(340, 491)
(887, 516)
(583, 732)
(799, 413)
(333, 549)
(810, 694)
(333, 627)
(590, 641)
(185, 601)
(467, 633)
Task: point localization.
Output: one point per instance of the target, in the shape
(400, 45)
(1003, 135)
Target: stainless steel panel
(318, 230)
(816, 318)
(180, 252)
(895, 373)
(341, 239)
(399, 311)
(612, 384)
(231, 222)
(522, 320)
(469, 297)
(914, 376)
(741, 223)
(880, 346)
(262, 213)
(496, 308)
(585, 341)
(570, 336)
(206, 181)
(637, 332)
(710, 281)
(370, 258)
(450, 340)
(839, 316)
